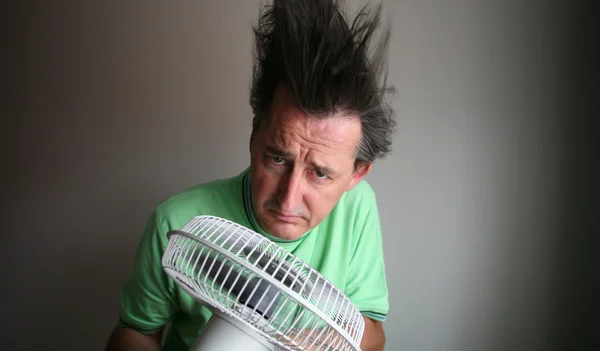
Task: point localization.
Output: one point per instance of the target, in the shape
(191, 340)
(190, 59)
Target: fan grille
(246, 276)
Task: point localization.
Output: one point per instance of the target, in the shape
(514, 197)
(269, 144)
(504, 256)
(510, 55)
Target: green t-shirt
(346, 248)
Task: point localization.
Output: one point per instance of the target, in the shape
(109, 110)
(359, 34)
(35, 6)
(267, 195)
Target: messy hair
(310, 47)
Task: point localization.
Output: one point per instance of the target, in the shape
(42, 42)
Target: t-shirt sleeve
(367, 285)
(148, 298)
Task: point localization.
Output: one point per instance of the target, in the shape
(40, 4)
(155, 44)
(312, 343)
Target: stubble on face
(301, 166)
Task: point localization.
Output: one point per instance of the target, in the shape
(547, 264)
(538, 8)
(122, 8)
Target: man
(320, 120)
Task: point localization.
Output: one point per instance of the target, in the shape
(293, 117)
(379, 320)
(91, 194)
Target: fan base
(222, 333)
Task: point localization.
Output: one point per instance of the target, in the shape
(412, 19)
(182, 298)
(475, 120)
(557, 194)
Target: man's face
(301, 166)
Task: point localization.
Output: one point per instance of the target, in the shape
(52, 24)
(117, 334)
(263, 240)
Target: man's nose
(290, 193)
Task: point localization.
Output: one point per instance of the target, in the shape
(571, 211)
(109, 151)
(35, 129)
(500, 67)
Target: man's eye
(277, 160)
(320, 175)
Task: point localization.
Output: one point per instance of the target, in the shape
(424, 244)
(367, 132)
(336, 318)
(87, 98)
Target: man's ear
(361, 171)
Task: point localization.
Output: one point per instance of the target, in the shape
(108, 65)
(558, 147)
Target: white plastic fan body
(261, 296)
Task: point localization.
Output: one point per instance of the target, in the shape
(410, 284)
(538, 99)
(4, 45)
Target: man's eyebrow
(277, 152)
(284, 154)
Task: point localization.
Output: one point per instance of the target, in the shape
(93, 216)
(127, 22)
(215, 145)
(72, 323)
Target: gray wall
(121, 104)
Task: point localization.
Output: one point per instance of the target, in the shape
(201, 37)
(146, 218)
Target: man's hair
(308, 46)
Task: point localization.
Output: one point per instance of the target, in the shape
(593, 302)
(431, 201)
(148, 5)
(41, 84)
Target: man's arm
(127, 339)
(373, 337)
(148, 299)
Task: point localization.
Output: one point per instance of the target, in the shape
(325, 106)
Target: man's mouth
(285, 217)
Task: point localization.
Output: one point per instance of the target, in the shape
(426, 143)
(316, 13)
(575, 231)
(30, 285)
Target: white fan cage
(285, 300)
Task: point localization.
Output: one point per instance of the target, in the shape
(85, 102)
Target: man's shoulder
(209, 197)
(183, 197)
(362, 196)
(356, 210)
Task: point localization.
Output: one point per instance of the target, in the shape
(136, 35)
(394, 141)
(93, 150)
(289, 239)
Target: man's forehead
(284, 107)
(344, 126)
(326, 134)
(336, 133)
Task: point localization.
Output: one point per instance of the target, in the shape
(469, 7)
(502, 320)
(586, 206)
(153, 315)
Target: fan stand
(225, 333)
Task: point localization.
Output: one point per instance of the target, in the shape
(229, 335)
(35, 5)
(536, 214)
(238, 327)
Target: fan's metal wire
(243, 274)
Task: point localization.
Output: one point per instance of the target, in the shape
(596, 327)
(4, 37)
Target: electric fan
(261, 296)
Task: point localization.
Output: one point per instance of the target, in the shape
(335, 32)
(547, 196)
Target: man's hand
(373, 337)
(123, 339)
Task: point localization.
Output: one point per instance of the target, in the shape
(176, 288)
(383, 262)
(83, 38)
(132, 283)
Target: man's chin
(284, 230)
